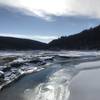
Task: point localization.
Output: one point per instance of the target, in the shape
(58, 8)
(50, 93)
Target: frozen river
(50, 73)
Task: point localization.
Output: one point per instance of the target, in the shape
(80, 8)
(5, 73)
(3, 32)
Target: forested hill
(20, 44)
(87, 39)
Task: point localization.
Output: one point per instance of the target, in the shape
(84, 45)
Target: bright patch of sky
(45, 20)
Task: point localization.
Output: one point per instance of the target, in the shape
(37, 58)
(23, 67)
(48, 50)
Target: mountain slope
(20, 44)
(87, 39)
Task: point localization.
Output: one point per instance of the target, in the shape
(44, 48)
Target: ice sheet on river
(64, 64)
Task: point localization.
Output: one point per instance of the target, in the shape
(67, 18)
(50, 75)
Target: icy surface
(59, 66)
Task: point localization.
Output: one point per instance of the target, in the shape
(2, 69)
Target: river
(51, 83)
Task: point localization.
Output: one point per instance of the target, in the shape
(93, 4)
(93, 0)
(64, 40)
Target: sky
(45, 20)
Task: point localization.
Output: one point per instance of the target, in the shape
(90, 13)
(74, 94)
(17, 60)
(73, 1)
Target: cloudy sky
(45, 20)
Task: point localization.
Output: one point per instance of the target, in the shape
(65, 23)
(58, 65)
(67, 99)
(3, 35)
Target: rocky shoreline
(14, 67)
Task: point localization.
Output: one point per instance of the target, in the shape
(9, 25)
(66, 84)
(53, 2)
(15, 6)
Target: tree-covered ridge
(87, 39)
(20, 44)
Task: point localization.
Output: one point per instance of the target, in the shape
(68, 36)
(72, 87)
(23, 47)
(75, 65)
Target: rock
(5, 60)
(41, 63)
(49, 59)
(35, 61)
(1, 76)
(6, 69)
(57, 57)
(16, 64)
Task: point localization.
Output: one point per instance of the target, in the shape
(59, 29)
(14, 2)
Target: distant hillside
(87, 39)
(20, 44)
